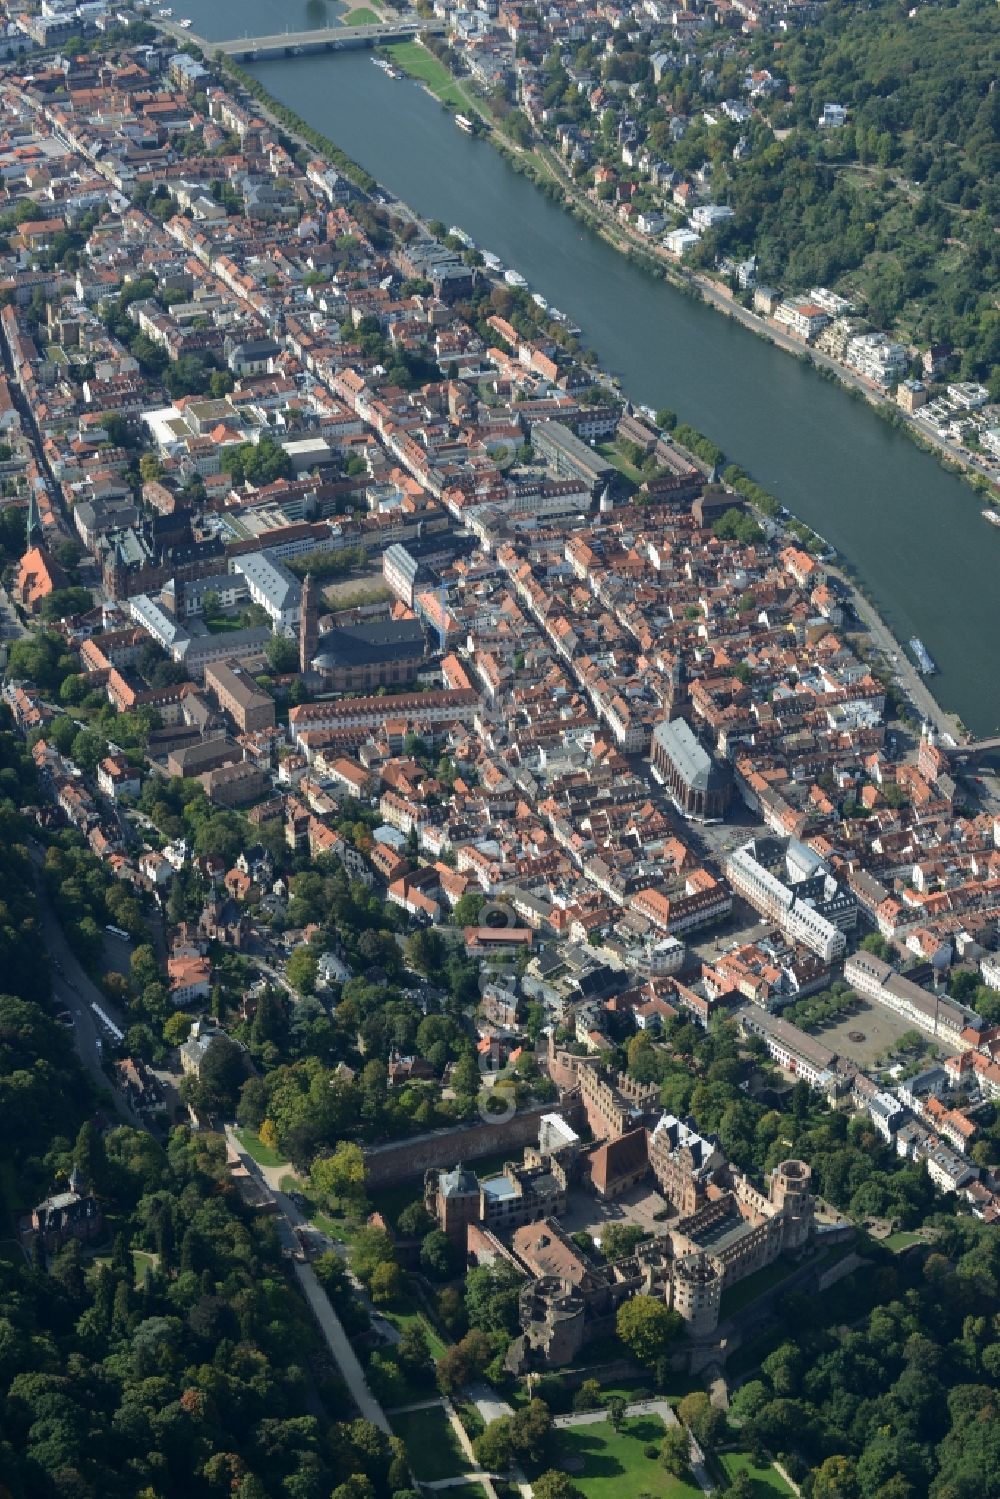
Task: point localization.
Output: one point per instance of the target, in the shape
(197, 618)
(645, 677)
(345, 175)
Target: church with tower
(360, 656)
(38, 572)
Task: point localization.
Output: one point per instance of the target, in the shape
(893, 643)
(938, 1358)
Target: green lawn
(142, 1263)
(431, 1444)
(766, 1483)
(419, 63)
(737, 1297)
(262, 1154)
(336, 1224)
(221, 624)
(900, 1240)
(642, 1388)
(339, 1229)
(360, 17)
(638, 1387)
(403, 1313)
(615, 1465)
(611, 452)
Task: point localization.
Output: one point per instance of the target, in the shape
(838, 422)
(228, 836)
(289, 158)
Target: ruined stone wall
(387, 1164)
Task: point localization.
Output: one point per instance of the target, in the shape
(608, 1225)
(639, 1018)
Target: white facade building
(798, 918)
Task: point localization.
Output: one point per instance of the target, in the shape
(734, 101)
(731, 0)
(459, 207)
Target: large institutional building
(790, 885)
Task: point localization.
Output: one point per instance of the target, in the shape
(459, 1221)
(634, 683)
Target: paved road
(392, 30)
(72, 990)
(333, 1332)
(30, 429)
(11, 627)
(477, 1476)
(289, 1219)
(276, 977)
(488, 1403)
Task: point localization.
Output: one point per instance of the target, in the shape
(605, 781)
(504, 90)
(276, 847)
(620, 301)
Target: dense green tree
(675, 1451)
(464, 1361)
(646, 1326)
(491, 1293)
(414, 1222)
(494, 1447)
(554, 1484)
(301, 970)
(258, 463)
(705, 1420)
(282, 654)
(220, 1077)
(371, 1247)
(438, 1258)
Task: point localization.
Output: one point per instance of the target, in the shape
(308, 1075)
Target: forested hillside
(897, 208)
(900, 205)
(172, 1356)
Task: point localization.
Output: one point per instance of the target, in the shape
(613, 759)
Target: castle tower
(791, 1194)
(697, 1294)
(454, 1199)
(308, 625)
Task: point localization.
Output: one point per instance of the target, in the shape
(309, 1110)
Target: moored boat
(925, 663)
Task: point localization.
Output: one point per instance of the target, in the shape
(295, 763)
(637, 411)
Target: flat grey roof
(278, 584)
(497, 1186)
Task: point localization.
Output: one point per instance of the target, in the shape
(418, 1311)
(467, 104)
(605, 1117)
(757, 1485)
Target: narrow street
(31, 430)
(277, 978)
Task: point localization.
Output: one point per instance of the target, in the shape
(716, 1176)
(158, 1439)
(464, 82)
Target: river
(221, 20)
(911, 531)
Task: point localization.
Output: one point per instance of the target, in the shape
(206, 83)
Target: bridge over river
(974, 750)
(302, 43)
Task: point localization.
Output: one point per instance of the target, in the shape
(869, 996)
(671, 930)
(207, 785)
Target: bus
(119, 932)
